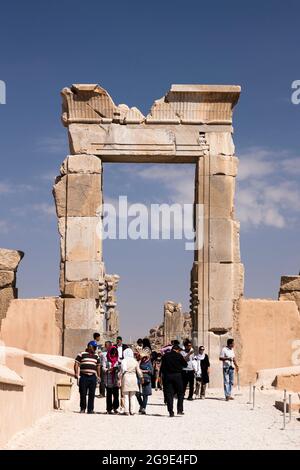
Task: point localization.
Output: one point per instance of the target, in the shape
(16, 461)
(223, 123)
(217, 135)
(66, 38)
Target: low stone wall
(289, 382)
(27, 389)
(34, 325)
(267, 333)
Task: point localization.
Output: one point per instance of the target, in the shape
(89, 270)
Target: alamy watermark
(123, 221)
(2, 92)
(295, 97)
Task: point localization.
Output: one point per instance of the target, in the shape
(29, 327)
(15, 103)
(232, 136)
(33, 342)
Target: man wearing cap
(87, 366)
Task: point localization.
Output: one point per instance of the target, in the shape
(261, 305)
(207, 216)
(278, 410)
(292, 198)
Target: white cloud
(44, 208)
(267, 193)
(178, 180)
(10, 188)
(5, 188)
(4, 226)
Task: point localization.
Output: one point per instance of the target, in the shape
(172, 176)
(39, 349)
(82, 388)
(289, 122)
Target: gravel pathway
(207, 424)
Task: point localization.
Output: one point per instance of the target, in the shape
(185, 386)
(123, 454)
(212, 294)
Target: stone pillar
(217, 274)
(290, 289)
(112, 315)
(9, 262)
(78, 197)
(173, 321)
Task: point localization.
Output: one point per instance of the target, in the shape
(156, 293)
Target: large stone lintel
(90, 103)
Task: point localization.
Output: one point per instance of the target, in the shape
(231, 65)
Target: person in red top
(87, 366)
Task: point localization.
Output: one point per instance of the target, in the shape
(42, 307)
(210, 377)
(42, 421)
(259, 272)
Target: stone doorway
(190, 124)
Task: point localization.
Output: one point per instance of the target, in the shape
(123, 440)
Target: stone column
(217, 274)
(112, 315)
(173, 321)
(78, 197)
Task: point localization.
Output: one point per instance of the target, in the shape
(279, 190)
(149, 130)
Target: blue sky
(136, 50)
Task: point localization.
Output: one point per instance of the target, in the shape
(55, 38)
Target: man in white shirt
(229, 364)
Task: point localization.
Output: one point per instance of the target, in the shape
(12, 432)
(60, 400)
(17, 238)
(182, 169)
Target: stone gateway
(190, 124)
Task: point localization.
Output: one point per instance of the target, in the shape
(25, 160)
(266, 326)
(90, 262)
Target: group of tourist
(126, 375)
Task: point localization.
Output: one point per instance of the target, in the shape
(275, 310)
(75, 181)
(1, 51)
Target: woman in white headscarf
(130, 371)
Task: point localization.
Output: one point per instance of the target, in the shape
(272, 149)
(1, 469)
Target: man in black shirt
(171, 367)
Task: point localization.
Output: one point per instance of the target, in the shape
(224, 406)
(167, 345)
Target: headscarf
(110, 358)
(128, 353)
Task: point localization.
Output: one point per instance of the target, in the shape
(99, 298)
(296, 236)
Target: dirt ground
(207, 424)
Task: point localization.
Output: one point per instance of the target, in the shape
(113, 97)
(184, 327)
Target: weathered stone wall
(290, 289)
(28, 389)
(267, 334)
(9, 262)
(34, 325)
(78, 197)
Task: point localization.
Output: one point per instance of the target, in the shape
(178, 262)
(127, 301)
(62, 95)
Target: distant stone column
(173, 321)
(112, 315)
(9, 262)
(78, 198)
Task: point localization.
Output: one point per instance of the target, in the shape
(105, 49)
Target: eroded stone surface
(10, 259)
(78, 195)
(7, 278)
(80, 238)
(82, 289)
(80, 313)
(87, 164)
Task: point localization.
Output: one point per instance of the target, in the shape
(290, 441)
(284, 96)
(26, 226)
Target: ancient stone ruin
(176, 325)
(190, 124)
(290, 289)
(9, 262)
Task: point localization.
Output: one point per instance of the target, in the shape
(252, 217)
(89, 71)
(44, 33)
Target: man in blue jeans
(87, 365)
(229, 364)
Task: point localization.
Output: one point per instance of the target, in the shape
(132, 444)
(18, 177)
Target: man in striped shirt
(87, 365)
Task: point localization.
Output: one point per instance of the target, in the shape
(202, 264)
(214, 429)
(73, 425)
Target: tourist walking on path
(111, 371)
(145, 387)
(87, 367)
(229, 364)
(188, 375)
(157, 375)
(201, 367)
(130, 370)
(171, 367)
(96, 337)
